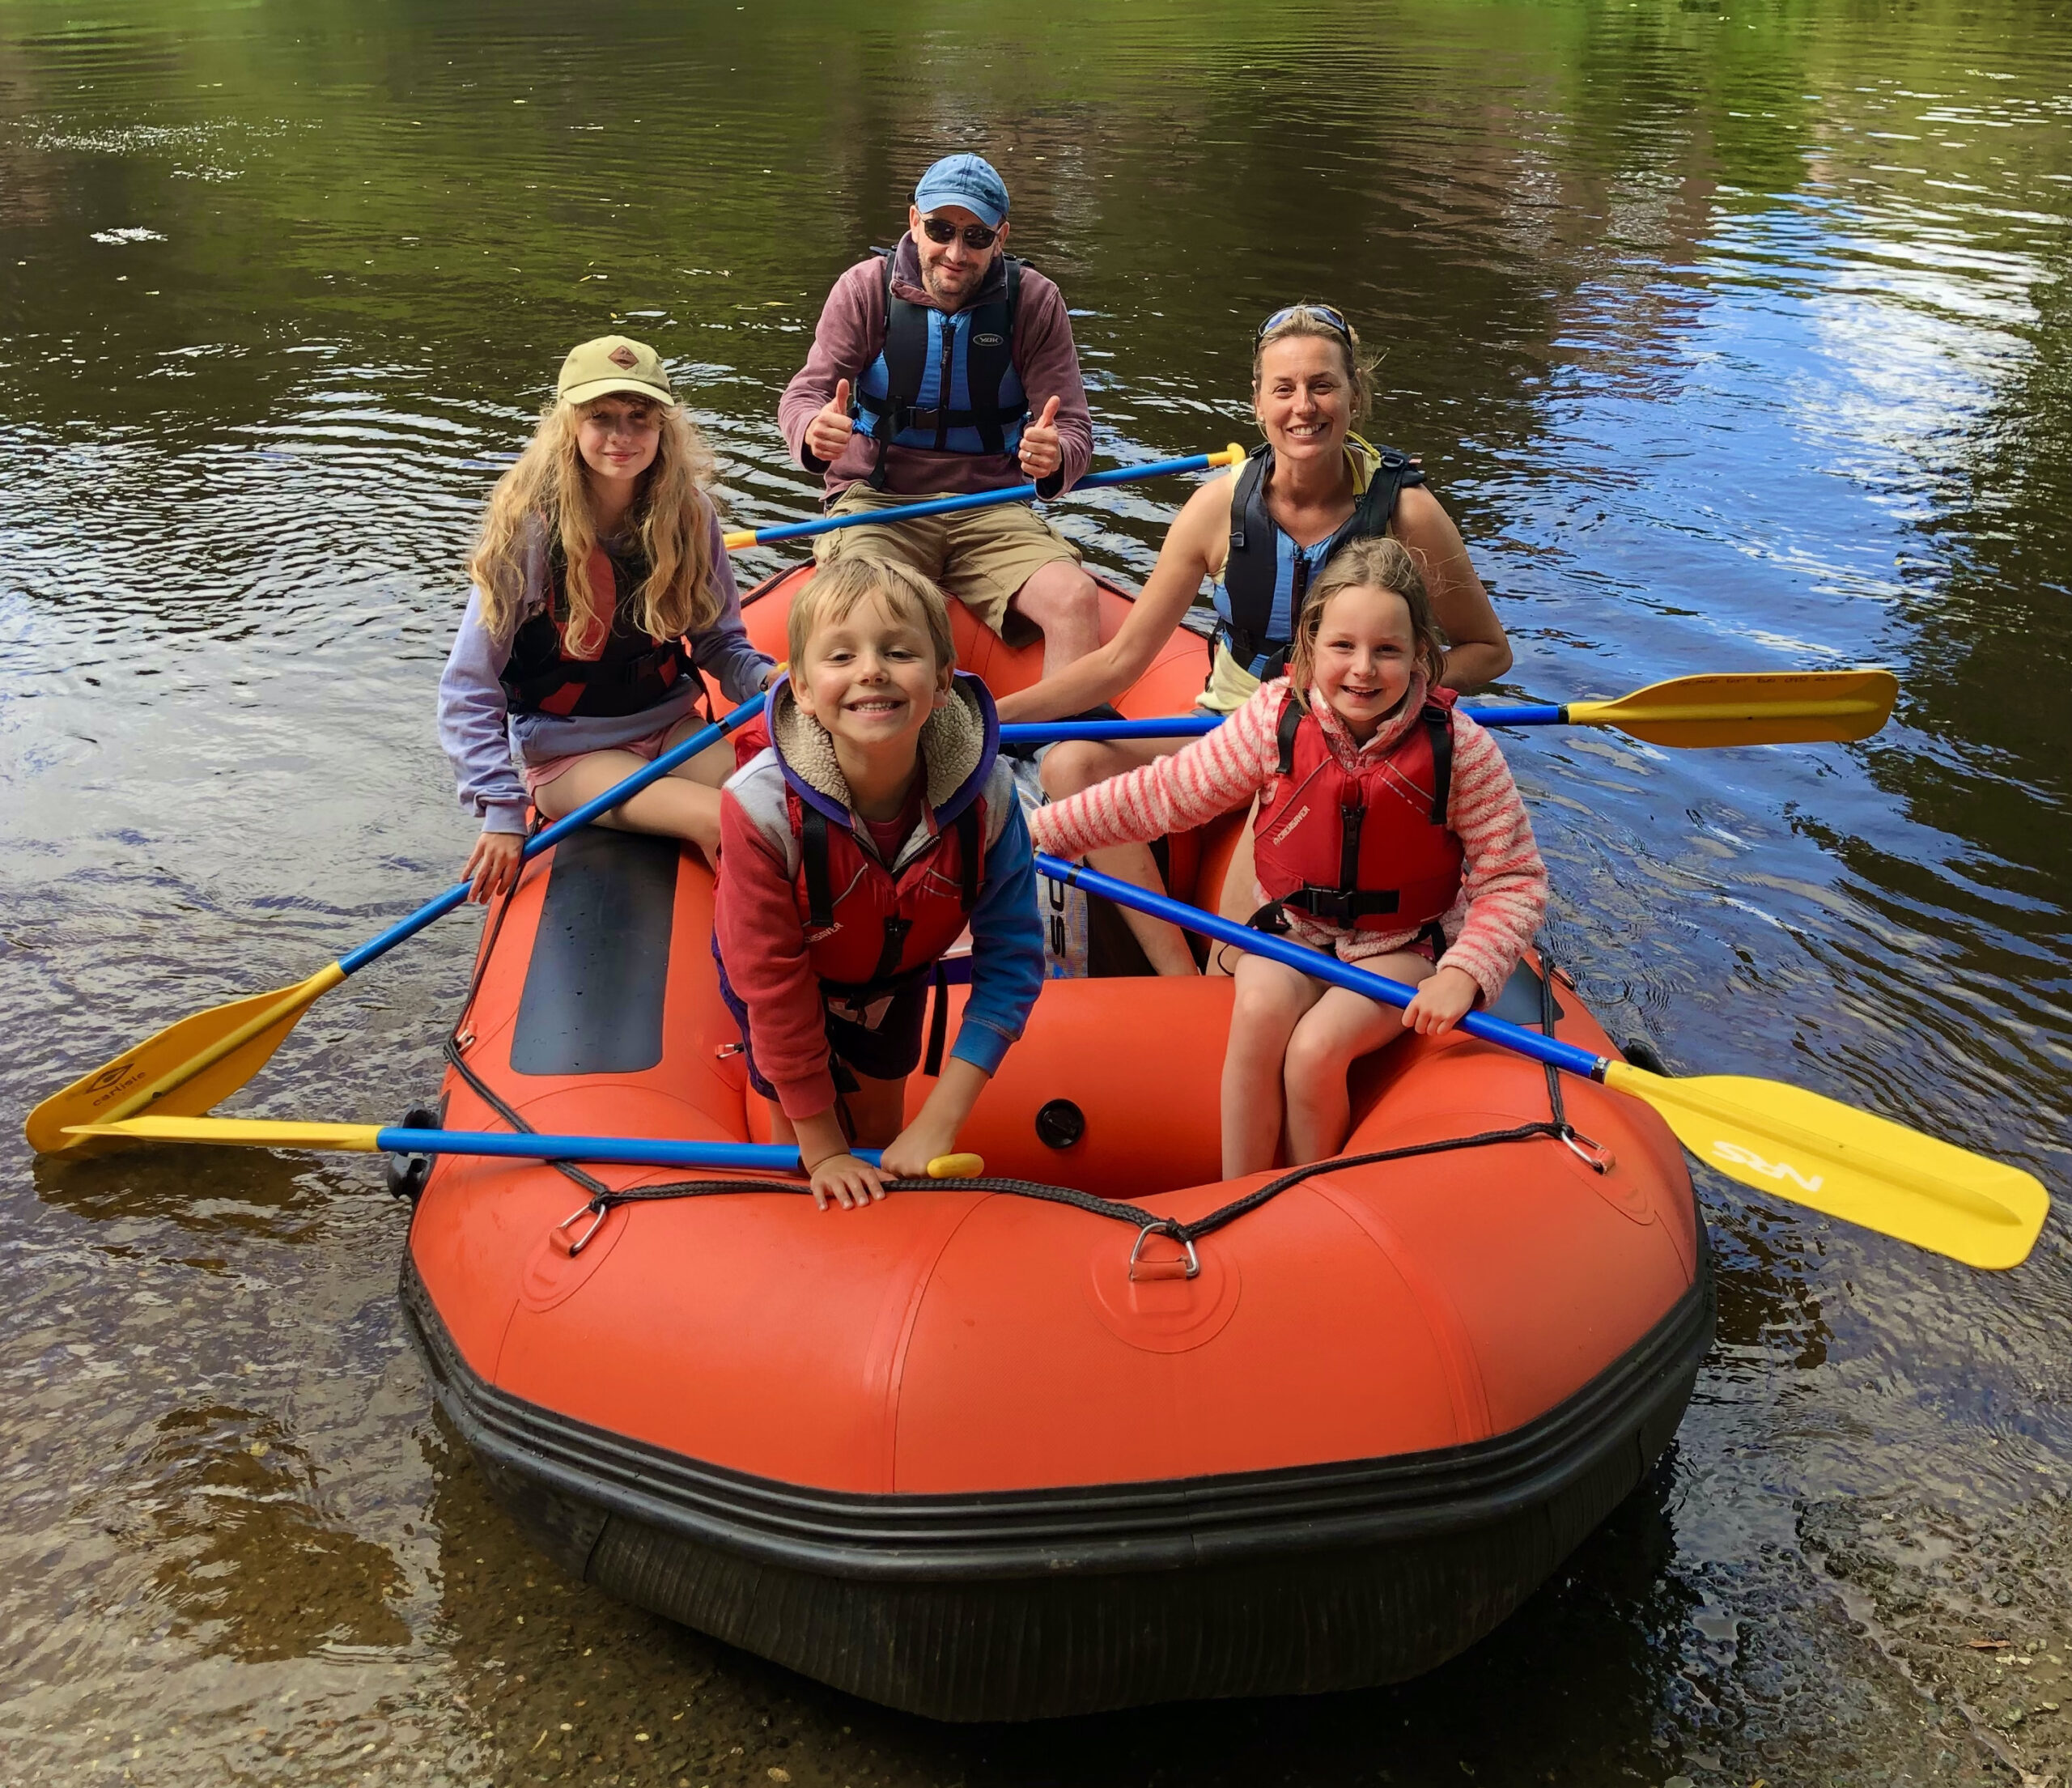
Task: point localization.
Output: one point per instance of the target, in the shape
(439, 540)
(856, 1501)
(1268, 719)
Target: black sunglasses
(976, 235)
(1324, 313)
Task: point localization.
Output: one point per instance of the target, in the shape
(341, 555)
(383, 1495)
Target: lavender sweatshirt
(480, 733)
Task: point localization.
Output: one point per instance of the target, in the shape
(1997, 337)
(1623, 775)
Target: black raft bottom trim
(1344, 1615)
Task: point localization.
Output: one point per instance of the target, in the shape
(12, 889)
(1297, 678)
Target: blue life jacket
(943, 384)
(1266, 578)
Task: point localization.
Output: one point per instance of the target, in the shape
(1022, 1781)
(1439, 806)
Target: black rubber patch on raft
(600, 970)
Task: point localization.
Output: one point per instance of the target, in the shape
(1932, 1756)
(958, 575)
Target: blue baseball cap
(967, 181)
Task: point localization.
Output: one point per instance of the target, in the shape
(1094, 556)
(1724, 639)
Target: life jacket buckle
(1330, 906)
(1140, 1268)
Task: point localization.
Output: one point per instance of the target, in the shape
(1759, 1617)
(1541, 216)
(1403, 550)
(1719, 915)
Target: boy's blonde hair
(1379, 563)
(832, 594)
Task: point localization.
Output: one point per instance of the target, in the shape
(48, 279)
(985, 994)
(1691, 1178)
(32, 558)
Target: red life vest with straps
(1364, 849)
(869, 927)
(630, 670)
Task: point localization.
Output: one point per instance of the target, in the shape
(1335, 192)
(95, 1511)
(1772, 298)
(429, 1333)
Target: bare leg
(1078, 764)
(1063, 601)
(1333, 1035)
(1271, 1000)
(685, 804)
(878, 1108)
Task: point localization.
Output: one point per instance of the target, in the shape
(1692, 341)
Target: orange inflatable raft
(958, 1452)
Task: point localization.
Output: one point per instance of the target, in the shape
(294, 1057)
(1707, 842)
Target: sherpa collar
(958, 745)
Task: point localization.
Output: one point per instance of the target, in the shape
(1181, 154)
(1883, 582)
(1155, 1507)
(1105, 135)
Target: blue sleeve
(473, 726)
(723, 648)
(1007, 949)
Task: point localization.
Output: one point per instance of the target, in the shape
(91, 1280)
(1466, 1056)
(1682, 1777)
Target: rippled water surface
(1735, 335)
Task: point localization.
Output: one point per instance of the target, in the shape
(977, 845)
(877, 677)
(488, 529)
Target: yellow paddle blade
(1819, 1153)
(184, 1069)
(246, 1132)
(738, 539)
(1790, 707)
(957, 1167)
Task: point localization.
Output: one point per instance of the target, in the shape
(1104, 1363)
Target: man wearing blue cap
(944, 367)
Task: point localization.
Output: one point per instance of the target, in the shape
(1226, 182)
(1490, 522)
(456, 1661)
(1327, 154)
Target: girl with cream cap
(602, 597)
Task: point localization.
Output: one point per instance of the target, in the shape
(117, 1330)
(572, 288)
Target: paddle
(1232, 455)
(187, 1067)
(393, 1140)
(1765, 707)
(1781, 1139)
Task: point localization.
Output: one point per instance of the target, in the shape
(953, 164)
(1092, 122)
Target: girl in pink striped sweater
(1435, 880)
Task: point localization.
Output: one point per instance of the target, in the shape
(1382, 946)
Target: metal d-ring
(582, 1241)
(1595, 1156)
(1194, 1260)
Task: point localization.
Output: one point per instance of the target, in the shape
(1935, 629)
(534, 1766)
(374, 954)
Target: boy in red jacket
(855, 849)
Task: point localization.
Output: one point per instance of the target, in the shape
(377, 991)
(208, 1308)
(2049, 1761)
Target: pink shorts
(538, 775)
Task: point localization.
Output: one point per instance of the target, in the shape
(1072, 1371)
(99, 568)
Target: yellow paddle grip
(957, 1167)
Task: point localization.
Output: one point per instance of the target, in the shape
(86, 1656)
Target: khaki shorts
(982, 557)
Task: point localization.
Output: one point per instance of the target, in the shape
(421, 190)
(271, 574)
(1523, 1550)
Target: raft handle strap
(1592, 1153)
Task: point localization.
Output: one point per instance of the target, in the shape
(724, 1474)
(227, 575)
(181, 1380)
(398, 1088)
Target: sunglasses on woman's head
(1322, 313)
(976, 235)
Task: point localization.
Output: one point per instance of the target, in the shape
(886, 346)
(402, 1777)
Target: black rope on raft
(604, 1198)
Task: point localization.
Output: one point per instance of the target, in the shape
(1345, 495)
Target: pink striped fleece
(1503, 881)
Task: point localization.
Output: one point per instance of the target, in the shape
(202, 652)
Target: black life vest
(942, 382)
(1266, 578)
(631, 671)
(1366, 849)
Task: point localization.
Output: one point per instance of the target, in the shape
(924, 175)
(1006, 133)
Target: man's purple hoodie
(850, 335)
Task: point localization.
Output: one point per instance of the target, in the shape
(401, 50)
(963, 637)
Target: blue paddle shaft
(1183, 726)
(554, 833)
(1515, 1038)
(623, 1151)
(976, 500)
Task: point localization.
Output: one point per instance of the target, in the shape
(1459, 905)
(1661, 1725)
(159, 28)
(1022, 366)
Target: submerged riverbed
(1736, 338)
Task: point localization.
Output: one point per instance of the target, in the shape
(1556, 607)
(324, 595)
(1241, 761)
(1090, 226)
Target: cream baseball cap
(613, 362)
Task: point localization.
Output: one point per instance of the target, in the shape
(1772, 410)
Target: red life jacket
(867, 927)
(631, 671)
(1364, 849)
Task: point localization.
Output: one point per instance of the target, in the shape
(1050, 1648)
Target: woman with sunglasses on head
(1263, 534)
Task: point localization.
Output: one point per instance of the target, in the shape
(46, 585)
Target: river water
(1734, 334)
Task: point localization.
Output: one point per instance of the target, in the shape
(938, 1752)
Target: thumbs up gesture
(829, 432)
(1042, 453)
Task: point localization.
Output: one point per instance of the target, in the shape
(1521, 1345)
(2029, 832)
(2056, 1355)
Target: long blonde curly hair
(672, 517)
